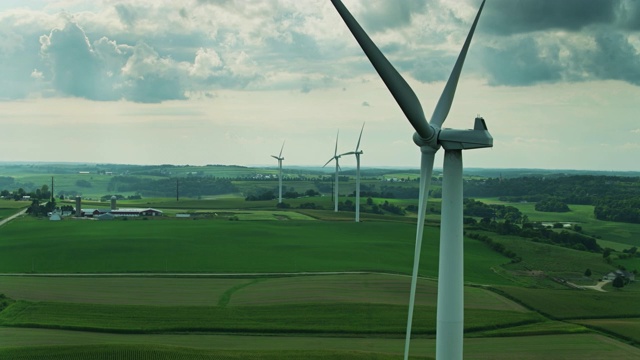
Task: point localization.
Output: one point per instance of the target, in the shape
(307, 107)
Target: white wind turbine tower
(430, 137)
(357, 154)
(279, 158)
(335, 157)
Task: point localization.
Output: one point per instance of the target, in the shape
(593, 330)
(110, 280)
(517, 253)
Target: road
(20, 213)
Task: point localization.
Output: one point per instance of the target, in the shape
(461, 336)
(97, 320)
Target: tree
(587, 273)
(618, 282)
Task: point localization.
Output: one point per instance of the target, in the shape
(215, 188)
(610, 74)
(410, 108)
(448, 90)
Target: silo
(78, 206)
(113, 203)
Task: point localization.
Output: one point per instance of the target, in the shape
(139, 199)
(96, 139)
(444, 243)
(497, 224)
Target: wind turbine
(429, 136)
(279, 158)
(335, 157)
(357, 154)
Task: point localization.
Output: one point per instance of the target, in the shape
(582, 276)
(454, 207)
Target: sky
(228, 81)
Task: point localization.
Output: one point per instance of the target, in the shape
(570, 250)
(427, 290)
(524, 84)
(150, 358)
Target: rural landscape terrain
(227, 272)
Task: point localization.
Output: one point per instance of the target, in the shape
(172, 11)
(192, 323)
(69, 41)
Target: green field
(307, 284)
(609, 231)
(561, 304)
(84, 246)
(10, 207)
(627, 328)
(44, 343)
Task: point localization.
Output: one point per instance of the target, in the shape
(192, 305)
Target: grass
(108, 352)
(536, 329)
(609, 231)
(626, 328)
(10, 207)
(553, 260)
(335, 318)
(261, 291)
(152, 291)
(576, 304)
(83, 246)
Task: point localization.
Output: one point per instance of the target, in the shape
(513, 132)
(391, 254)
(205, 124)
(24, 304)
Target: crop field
(239, 291)
(627, 328)
(307, 284)
(561, 304)
(84, 246)
(10, 207)
(44, 343)
(309, 318)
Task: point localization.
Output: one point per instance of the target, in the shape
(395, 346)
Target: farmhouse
(619, 273)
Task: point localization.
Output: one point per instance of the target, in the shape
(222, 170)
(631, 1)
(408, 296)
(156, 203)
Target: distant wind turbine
(430, 137)
(335, 157)
(279, 158)
(357, 154)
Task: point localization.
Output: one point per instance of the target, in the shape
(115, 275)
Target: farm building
(619, 273)
(107, 216)
(92, 212)
(136, 212)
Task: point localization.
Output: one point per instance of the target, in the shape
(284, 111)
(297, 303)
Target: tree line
(189, 186)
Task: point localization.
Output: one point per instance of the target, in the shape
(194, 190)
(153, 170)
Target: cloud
(628, 14)
(521, 62)
(379, 15)
(176, 50)
(37, 74)
(635, 131)
(128, 14)
(73, 63)
(614, 58)
(506, 17)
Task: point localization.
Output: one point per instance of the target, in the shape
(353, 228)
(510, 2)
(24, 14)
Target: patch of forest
(616, 198)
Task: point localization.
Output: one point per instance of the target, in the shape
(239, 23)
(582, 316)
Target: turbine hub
(430, 142)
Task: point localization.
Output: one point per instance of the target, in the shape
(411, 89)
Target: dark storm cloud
(507, 17)
(628, 14)
(520, 63)
(546, 41)
(614, 58)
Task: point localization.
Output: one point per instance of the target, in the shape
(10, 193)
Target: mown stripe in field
(291, 318)
(272, 290)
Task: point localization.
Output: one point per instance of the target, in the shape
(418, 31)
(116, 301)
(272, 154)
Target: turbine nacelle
(476, 138)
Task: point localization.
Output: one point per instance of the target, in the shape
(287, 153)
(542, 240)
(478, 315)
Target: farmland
(295, 283)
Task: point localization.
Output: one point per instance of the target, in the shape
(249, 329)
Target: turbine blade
(275, 157)
(335, 153)
(446, 98)
(327, 163)
(281, 150)
(360, 137)
(401, 91)
(426, 170)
